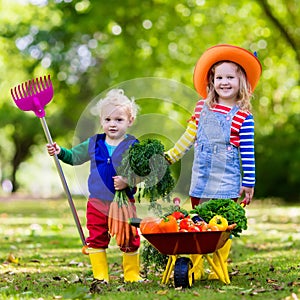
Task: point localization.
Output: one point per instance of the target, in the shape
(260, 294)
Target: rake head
(33, 95)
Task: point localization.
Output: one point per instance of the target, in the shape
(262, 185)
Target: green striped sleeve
(76, 155)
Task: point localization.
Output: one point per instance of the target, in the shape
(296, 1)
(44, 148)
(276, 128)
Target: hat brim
(225, 52)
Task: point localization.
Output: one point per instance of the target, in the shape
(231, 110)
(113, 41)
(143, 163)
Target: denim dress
(216, 172)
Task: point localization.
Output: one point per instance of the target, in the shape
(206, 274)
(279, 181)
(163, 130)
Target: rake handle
(64, 182)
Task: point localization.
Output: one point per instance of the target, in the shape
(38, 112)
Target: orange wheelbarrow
(178, 245)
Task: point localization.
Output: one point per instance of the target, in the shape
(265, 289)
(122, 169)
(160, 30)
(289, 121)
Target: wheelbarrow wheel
(181, 273)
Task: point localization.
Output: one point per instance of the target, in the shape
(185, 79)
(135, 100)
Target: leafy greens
(145, 162)
(227, 208)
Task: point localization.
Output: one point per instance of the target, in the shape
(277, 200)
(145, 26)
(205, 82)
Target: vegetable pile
(119, 212)
(233, 212)
(145, 162)
(214, 215)
(178, 222)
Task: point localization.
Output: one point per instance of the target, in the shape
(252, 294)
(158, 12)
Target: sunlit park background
(89, 47)
(149, 48)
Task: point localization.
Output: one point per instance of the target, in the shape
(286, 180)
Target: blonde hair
(244, 94)
(117, 97)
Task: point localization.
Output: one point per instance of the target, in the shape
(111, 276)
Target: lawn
(40, 257)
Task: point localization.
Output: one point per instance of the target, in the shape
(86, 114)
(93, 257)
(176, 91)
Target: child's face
(115, 122)
(226, 83)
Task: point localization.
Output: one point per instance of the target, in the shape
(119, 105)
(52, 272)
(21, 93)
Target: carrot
(132, 214)
(110, 219)
(120, 236)
(133, 230)
(114, 215)
(120, 216)
(123, 211)
(115, 219)
(126, 224)
(231, 227)
(119, 223)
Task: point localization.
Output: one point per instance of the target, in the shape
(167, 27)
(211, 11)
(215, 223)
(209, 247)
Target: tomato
(168, 224)
(150, 225)
(185, 223)
(193, 228)
(178, 215)
(200, 226)
(183, 230)
(220, 222)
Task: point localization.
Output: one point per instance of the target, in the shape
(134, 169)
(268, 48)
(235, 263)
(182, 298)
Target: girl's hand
(249, 192)
(120, 183)
(53, 149)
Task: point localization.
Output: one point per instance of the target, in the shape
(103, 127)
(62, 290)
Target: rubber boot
(131, 267)
(224, 253)
(99, 263)
(197, 261)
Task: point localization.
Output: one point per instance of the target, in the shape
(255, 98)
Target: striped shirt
(241, 135)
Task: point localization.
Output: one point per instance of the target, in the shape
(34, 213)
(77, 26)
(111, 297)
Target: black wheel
(181, 273)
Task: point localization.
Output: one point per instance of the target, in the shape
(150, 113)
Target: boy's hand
(120, 183)
(53, 149)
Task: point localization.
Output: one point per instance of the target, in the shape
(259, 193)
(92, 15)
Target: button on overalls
(216, 169)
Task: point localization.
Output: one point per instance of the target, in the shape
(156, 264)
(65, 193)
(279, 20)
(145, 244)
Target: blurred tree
(279, 162)
(90, 46)
(21, 140)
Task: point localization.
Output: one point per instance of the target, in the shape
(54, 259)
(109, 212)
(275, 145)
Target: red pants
(195, 201)
(97, 225)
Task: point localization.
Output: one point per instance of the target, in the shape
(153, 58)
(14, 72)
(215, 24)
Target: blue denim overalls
(216, 169)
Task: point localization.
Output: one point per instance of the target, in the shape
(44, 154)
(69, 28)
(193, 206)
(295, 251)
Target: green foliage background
(90, 46)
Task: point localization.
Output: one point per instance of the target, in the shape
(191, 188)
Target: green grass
(40, 257)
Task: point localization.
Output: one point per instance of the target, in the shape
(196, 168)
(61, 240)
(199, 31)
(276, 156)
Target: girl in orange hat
(222, 128)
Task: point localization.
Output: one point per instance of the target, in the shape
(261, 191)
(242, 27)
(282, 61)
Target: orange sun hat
(225, 52)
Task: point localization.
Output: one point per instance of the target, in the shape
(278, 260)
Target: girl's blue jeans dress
(216, 172)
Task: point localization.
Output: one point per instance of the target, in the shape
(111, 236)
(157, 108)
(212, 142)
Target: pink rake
(34, 95)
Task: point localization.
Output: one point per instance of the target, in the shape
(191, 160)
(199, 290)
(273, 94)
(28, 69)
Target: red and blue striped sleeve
(247, 151)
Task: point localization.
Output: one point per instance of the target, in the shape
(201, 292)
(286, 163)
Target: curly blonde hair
(244, 94)
(117, 97)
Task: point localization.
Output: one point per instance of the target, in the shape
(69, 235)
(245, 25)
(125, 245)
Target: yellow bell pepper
(220, 222)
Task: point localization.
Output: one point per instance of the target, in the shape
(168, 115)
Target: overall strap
(233, 111)
(238, 119)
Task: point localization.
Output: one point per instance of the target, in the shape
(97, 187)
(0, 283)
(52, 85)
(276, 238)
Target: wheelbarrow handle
(64, 182)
